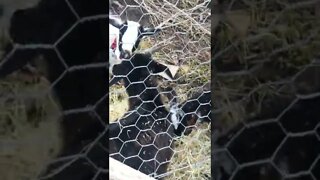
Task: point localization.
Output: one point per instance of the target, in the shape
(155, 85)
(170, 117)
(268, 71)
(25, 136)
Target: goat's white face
(131, 37)
(128, 36)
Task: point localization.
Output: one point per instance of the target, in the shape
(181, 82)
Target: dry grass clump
(29, 128)
(192, 158)
(118, 102)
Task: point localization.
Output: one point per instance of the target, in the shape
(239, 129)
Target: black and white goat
(143, 137)
(124, 38)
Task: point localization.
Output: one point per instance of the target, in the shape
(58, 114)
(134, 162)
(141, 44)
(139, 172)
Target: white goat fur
(114, 56)
(129, 38)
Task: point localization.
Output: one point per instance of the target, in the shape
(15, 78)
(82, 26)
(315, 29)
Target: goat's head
(130, 34)
(197, 108)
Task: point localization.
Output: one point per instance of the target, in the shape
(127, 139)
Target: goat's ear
(150, 31)
(115, 22)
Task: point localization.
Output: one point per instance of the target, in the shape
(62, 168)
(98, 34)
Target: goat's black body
(146, 131)
(146, 122)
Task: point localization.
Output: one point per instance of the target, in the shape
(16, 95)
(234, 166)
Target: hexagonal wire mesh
(141, 131)
(267, 90)
(59, 46)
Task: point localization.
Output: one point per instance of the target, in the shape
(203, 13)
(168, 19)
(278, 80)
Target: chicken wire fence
(53, 96)
(142, 133)
(267, 90)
